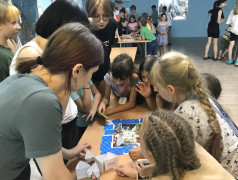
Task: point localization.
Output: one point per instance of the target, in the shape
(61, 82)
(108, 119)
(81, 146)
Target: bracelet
(86, 88)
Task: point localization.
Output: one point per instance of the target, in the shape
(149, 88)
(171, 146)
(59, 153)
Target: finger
(88, 117)
(137, 167)
(84, 115)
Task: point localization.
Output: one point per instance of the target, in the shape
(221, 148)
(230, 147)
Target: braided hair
(170, 140)
(178, 70)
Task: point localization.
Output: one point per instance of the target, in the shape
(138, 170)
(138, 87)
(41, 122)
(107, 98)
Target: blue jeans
(152, 47)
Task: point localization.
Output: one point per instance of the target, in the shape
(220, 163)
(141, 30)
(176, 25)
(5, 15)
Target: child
(154, 16)
(122, 26)
(9, 28)
(133, 27)
(146, 34)
(162, 29)
(164, 10)
(87, 100)
(213, 27)
(213, 85)
(177, 81)
(225, 41)
(233, 21)
(166, 141)
(120, 15)
(121, 81)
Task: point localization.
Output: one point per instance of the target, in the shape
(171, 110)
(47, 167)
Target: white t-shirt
(233, 21)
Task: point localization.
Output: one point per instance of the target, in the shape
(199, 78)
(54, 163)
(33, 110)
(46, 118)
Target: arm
(158, 28)
(97, 99)
(124, 107)
(167, 28)
(219, 21)
(53, 168)
(85, 104)
(117, 35)
(229, 20)
(106, 99)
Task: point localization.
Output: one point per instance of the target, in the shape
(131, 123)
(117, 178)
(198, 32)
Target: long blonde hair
(8, 12)
(235, 10)
(178, 70)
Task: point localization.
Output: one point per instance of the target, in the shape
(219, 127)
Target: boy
(133, 12)
(9, 28)
(154, 16)
(146, 34)
(225, 42)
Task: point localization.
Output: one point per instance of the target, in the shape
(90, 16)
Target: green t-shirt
(30, 123)
(6, 56)
(144, 31)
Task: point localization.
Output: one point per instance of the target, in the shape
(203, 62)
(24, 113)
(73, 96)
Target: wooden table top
(132, 41)
(131, 51)
(94, 133)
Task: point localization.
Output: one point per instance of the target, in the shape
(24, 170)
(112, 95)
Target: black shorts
(213, 31)
(233, 37)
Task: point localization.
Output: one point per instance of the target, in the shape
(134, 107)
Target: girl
(233, 21)
(133, 27)
(100, 13)
(87, 100)
(213, 31)
(122, 27)
(177, 81)
(162, 37)
(166, 140)
(33, 128)
(121, 81)
(144, 88)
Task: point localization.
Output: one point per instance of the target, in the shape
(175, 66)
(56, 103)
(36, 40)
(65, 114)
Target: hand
(135, 154)
(143, 89)
(119, 38)
(144, 170)
(102, 107)
(127, 169)
(109, 111)
(91, 114)
(80, 150)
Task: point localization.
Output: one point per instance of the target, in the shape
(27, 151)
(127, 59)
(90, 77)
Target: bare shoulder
(28, 52)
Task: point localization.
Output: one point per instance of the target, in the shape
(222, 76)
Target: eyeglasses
(99, 17)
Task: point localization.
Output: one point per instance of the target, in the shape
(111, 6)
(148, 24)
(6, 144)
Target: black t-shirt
(214, 15)
(107, 36)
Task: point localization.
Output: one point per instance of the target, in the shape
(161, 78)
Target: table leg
(120, 45)
(145, 49)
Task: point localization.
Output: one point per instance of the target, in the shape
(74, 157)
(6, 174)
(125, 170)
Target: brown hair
(69, 45)
(170, 140)
(177, 69)
(92, 5)
(213, 84)
(8, 12)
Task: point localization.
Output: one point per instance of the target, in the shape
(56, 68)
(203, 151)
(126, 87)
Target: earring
(75, 81)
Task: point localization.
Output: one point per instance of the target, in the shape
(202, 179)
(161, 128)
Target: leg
(232, 43)
(220, 54)
(224, 53)
(215, 40)
(169, 36)
(160, 50)
(145, 49)
(165, 49)
(209, 40)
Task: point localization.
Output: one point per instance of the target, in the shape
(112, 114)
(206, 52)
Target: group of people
(132, 24)
(63, 78)
(230, 36)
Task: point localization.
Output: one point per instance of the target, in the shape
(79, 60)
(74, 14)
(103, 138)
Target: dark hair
(57, 14)
(170, 140)
(213, 84)
(153, 7)
(133, 7)
(132, 16)
(122, 67)
(165, 8)
(122, 10)
(143, 21)
(147, 64)
(69, 45)
(145, 15)
(92, 5)
(219, 2)
(163, 14)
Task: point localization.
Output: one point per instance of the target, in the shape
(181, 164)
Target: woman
(104, 26)
(37, 101)
(57, 14)
(166, 140)
(213, 31)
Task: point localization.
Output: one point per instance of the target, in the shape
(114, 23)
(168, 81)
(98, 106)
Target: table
(94, 133)
(126, 41)
(131, 51)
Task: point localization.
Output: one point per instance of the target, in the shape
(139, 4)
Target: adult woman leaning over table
(32, 103)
